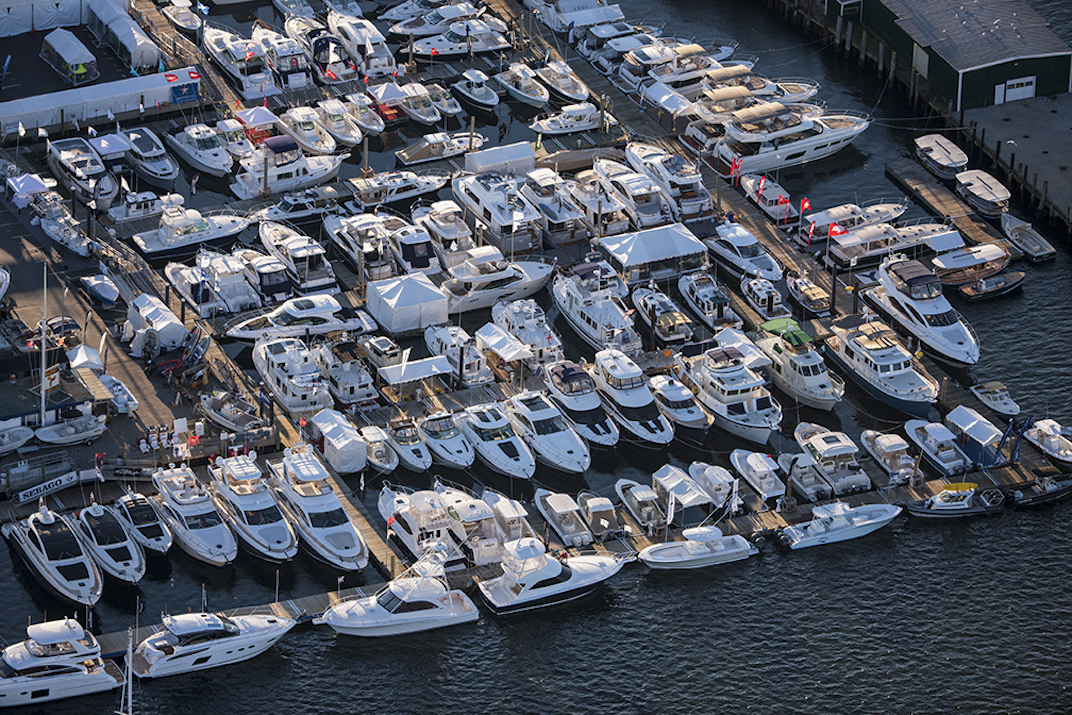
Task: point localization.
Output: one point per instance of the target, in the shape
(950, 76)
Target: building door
(1022, 88)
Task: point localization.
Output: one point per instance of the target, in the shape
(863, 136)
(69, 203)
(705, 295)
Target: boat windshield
(327, 519)
(493, 434)
(141, 514)
(442, 428)
(207, 520)
(625, 383)
(750, 250)
(263, 517)
(453, 37)
(406, 435)
(207, 143)
(518, 567)
(674, 404)
(306, 126)
(942, 320)
(58, 541)
(551, 425)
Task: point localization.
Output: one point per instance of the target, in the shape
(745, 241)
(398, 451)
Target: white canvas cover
(25, 187)
(583, 19)
(506, 346)
(416, 370)
(971, 423)
(85, 356)
(19, 16)
(69, 47)
(342, 447)
(149, 312)
(514, 159)
(652, 245)
(110, 144)
(406, 304)
(387, 93)
(109, 21)
(666, 98)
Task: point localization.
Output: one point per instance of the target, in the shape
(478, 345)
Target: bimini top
(55, 632)
(561, 504)
(568, 372)
(916, 277)
(281, 144)
(677, 482)
(831, 444)
(788, 330)
(975, 426)
(191, 623)
(475, 76)
(525, 549)
(703, 534)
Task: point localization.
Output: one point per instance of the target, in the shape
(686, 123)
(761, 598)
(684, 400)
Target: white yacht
(770, 197)
(816, 228)
(526, 321)
(547, 433)
(303, 126)
(872, 356)
(58, 224)
(142, 204)
(412, 8)
(681, 498)
(473, 88)
(739, 254)
(642, 503)
(592, 310)
(764, 298)
(215, 284)
(891, 453)
(48, 545)
(348, 380)
(513, 225)
(868, 245)
(303, 490)
(58, 659)
(912, 297)
(242, 496)
(571, 388)
(984, 193)
(435, 22)
(533, 580)
(709, 300)
(563, 82)
(365, 243)
(455, 344)
(422, 523)
(445, 223)
(1048, 436)
(439, 146)
(831, 523)
(482, 539)
(661, 314)
(382, 459)
(243, 60)
(213, 638)
(702, 546)
(466, 37)
(812, 300)
(306, 261)
(443, 101)
(406, 441)
(625, 394)
(720, 484)
(805, 477)
(644, 201)
(141, 521)
(303, 205)
(510, 515)
(278, 165)
(331, 62)
(79, 168)
(388, 187)
(185, 506)
(834, 455)
(149, 157)
(732, 392)
(308, 315)
(519, 81)
(286, 58)
(495, 441)
(267, 275)
(412, 247)
(572, 119)
(603, 212)
(761, 472)
(448, 446)
(797, 368)
(485, 278)
(941, 156)
(562, 222)
(679, 179)
(939, 447)
(287, 368)
(564, 516)
(360, 109)
(183, 232)
(108, 542)
(201, 147)
(232, 136)
(297, 8)
(600, 516)
(417, 105)
(679, 406)
(365, 43)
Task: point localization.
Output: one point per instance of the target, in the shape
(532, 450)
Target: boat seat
(144, 446)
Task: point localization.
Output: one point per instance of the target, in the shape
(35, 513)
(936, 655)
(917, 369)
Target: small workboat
(996, 396)
(891, 452)
(599, 515)
(703, 546)
(439, 145)
(1027, 239)
(381, 458)
(473, 88)
(14, 437)
(1048, 487)
(831, 523)
(573, 118)
(970, 263)
(984, 193)
(1048, 437)
(770, 197)
(941, 156)
(958, 500)
(993, 286)
(709, 300)
(812, 300)
(519, 80)
(84, 429)
(101, 289)
(123, 401)
(641, 502)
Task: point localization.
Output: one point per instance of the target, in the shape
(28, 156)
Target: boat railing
(967, 326)
(808, 81)
(237, 320)
(851, 113)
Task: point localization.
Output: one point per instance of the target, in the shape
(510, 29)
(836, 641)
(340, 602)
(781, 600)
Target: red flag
(435, 52)
(811, 230)
(171, 77)
(302, 422)
(390, 520)
(805, 205)
(837, 230)
(237, 104)
(759, 188)
(194, 74)
(366, 79)
(250, 54)
(782, 199)
(330, 75)
(266, 100)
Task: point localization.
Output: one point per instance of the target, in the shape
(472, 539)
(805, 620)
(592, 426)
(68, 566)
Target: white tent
(110, 146)
(493, 337)
(388, 93)
(406, 304)
(654, 253)
(514, 159)
(25, 187)
(85, 356)
(148, 313)
(415, 370)
(257, 117)
(19, 16)
(339, 442)
(110, 24)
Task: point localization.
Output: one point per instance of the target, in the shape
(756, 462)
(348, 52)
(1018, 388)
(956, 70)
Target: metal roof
(969, 34)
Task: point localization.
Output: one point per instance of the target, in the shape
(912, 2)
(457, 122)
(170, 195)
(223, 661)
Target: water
(915, 618)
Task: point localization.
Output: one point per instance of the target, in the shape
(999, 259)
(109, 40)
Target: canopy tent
(110, 146)
(415, 370)
(19, 16)
(84, 356)
(257, 117)
(148, 312)
(111, 25)
(69, 57)
(654, 253)
(493, 337)
(969, 422)
(517, 159)
(25, 187)
(388, 93)
(339, 442)
(406, 304)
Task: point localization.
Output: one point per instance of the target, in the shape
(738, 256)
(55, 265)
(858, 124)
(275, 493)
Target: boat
(443, 101)
(764, 298)
(364, 42)
(510, 515)
(511, 223)
(365, 243)
(267, 274)
(360, 107)
(939, 447)
(80, 430)
(123, 401)
(815, 229)
(286, 59)
(232, 135)
(460, 349)
(278, 165)
(425, 524)
(834, 455)
(563, 82)
(201, 147)
(391, 187)
(148, 156)
(348, 380)
(732, 392)
(978, 437)
(520, 82)
(890, 451)
(563, 515)
(14, 437)
(983, 192)
(57, 660)
(48, 545)
(331, 62)
(382, 458)
(142, 522)
(532, 580)
(306, 261)
(958, 500)
(526, 321)
(417, 104)
(182, 17)
(547, 432)
(495, 441)
(141, 204)
(438, 146)
(678, 405)
(739, 253)
(287, 369)
(707, 298)
(835, 522)
(805, 477)
(587, 303)
(813, 301)
(412, 8)
(418, 600)
(996, 396)
(797, 368)
(464, 38)
(993, 286)
(600, 516)
(573, 118)
(410, 447)
(242, 497)
(1046, 488)
(243, 60)
(215, 284)
(473, 89)
(609, 59)
(761, 472)
(626, 397)
(302, 488)
(644, 202)
(447, 445)
(642, 503)
(970, 264)
(679, 179)
(702, 546)
(561, 221)
(411, 246)
(334, 118)
(297, 206)
(184, 505)
(302, 124)
(59, 225)
(661, 315)
(681, 498)
(214, 638)
(297, 8)
(105, 538)
(602, 211)
(183, 232)
(770, 197)
(571, 388)
(719, 484)
(80, 169)
(231, 412)
(485, 278)
(435, 22)
(912, 297)
(482, 539)
(1027, 239)
(941, 156)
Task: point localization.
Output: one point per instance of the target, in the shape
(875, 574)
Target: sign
(186, 93)
(126, 472)
(264, 397)
(54, 485)
(52, 378)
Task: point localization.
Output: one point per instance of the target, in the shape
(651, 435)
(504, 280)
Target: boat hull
(398, 629)
(915, 408)
(556, 599)
(846, 535)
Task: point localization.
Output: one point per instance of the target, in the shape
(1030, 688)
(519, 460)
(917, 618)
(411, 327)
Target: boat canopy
(281, 144)
(971, 256)
(974, 425)
(832, 444)
(652, 246)
(25, 187)
(890, 442)
(55, 632)
(723, 74)
(915, 279)
(559, 504)
(110, 145)
(759, 112)
(667, 99)
(677, 482)
(703, 534)
(939, 432)
(416, 370)
(474, 76)
(726, 94)
(493, 337)
(69, 57)
(388, 93)
(257, 117)
(788, 330)
(984, 186)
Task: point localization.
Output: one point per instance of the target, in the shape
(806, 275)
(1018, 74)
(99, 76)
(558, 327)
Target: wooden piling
(863, 48)
(882, 58)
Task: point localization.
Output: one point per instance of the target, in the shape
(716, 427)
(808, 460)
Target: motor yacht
(57, 660)
(80, 168)
(941, 156)
(437, 21)
(678, 405)
(306, 261)
(242, 496)
(563, 514)
(591, 309)
(561, 221)
(461, 351)
(679, 179)
(602, 211)
(381, 351)
(417, 105)
(59, 225)
(764, 298)
(510, 515)
(533, 580)
(464, 38)
(572, 119)
(149, 157)
(564, 84)
(890, 451)
(215, 284)
(412, 8)
(447, 445)
(625, 394)
(834, 455)
(797, 368)
(483, 539)
(832, 523)
(637, 63)
(720, 485)
(286, 59)
(287, 369)
(302, 487)
(365, 43)
(278, 165)
(740, 254)
(142, 522)
(642, 503)
(391, 187)
(141, 204)
(331, 62)
(215, 639)
(267, 275)
(438, 146)
(79, 430)
(185, 506)
(243, 60)
(365, 243)
(547, 432)
(770, 197)
(183, 232)
(424, 524)
(407, 443)
(411, 246)
(732, 392)
(813, 301)
(645, 204)
(912, 297)
(869, 245)
(595, 38)
(761, 472)
(939, 447)
(347, 378)
(473, 88)
(302, 124)
(184, 19)
(1048, 437)
(420, 599)
(872, 356)
(661, 314)
(526, 321)
(360, 108)
(495, 441)
(958, 500)
(48, 545)
(232, 136)
(297, 8)
(304, 205)
(485, 278)
(609, 58)
(680, 498)
(708, 299)
(571, 388)
(106, 539)
(201, 147)
(512, 224)
(702, 546)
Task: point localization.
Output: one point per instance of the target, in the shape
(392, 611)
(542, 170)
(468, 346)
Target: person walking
(361, 488)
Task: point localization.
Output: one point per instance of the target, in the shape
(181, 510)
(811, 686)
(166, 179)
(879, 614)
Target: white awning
(971, 423)
(652, 245)
(506, 346)
(416, 370)
(753, 357)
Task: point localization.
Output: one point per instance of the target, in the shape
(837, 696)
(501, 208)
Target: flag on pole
(98, 463)
(539, 140)
(193, 184)
(811, 230)
(202, 8)
(759, 189)
(42, 133)
(204, 599)
(733, 496)
(837, 229)
(22, 130)
(91, 131)
(7, 63)
(805, 205)
(670, 508)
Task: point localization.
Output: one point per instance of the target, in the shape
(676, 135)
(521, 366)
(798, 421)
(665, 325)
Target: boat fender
(759, 542)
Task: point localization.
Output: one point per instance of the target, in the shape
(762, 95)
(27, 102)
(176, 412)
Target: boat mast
(44, 319)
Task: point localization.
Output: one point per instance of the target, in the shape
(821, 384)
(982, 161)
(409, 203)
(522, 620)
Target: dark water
(917, 618)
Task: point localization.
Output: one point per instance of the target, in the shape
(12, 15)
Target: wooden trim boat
(993, 286)
(1027, 239)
